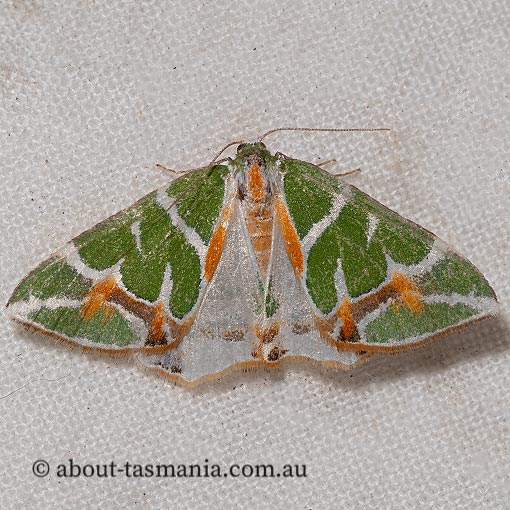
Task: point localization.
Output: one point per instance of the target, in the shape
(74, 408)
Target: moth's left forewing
(376, 280)
(135, 280)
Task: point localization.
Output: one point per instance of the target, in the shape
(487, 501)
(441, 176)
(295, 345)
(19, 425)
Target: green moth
(251, 261)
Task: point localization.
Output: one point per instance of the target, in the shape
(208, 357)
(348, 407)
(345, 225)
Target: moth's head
(253, 153)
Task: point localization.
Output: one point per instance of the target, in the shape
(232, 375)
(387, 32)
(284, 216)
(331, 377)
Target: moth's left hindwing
(134, 280)
(377, 281)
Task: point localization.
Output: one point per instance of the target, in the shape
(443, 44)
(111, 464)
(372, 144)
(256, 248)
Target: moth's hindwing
(376, 280)
(135, 279)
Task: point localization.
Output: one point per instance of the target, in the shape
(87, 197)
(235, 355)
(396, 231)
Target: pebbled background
(93, 94)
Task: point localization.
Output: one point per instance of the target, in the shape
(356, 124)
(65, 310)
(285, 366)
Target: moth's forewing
(359, 252)
(106, 287)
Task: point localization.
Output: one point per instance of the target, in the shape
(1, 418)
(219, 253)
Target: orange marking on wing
(291, 237)
(344, 313)
(157, 334)
(216, 245)
(408, 291)
(97, 295)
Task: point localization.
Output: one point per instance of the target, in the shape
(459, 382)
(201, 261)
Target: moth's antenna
(237, 142)
(320, 129)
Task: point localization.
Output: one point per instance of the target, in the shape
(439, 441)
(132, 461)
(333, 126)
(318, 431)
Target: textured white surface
(93, 93)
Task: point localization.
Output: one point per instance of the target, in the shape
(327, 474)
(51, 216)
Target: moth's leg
(184, 172)
(327, 162)
(235, 142)
(338, 176)
(343, 174)
(175, 172)
(282, 156)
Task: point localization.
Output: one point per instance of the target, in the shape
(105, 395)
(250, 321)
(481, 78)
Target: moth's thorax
(258, 187)
(257, 197)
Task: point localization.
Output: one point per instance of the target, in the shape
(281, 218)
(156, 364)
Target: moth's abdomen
(259, 218)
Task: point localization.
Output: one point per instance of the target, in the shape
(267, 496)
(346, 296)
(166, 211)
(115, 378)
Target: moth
(252, 260)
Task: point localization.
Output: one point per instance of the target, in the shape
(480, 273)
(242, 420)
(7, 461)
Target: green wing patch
(398, 324)
(449, 277)
(52, 278)
(455, 274)
(143, 267)
(208, 195)
(108, 328)
(198, 198)
(309, 193)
